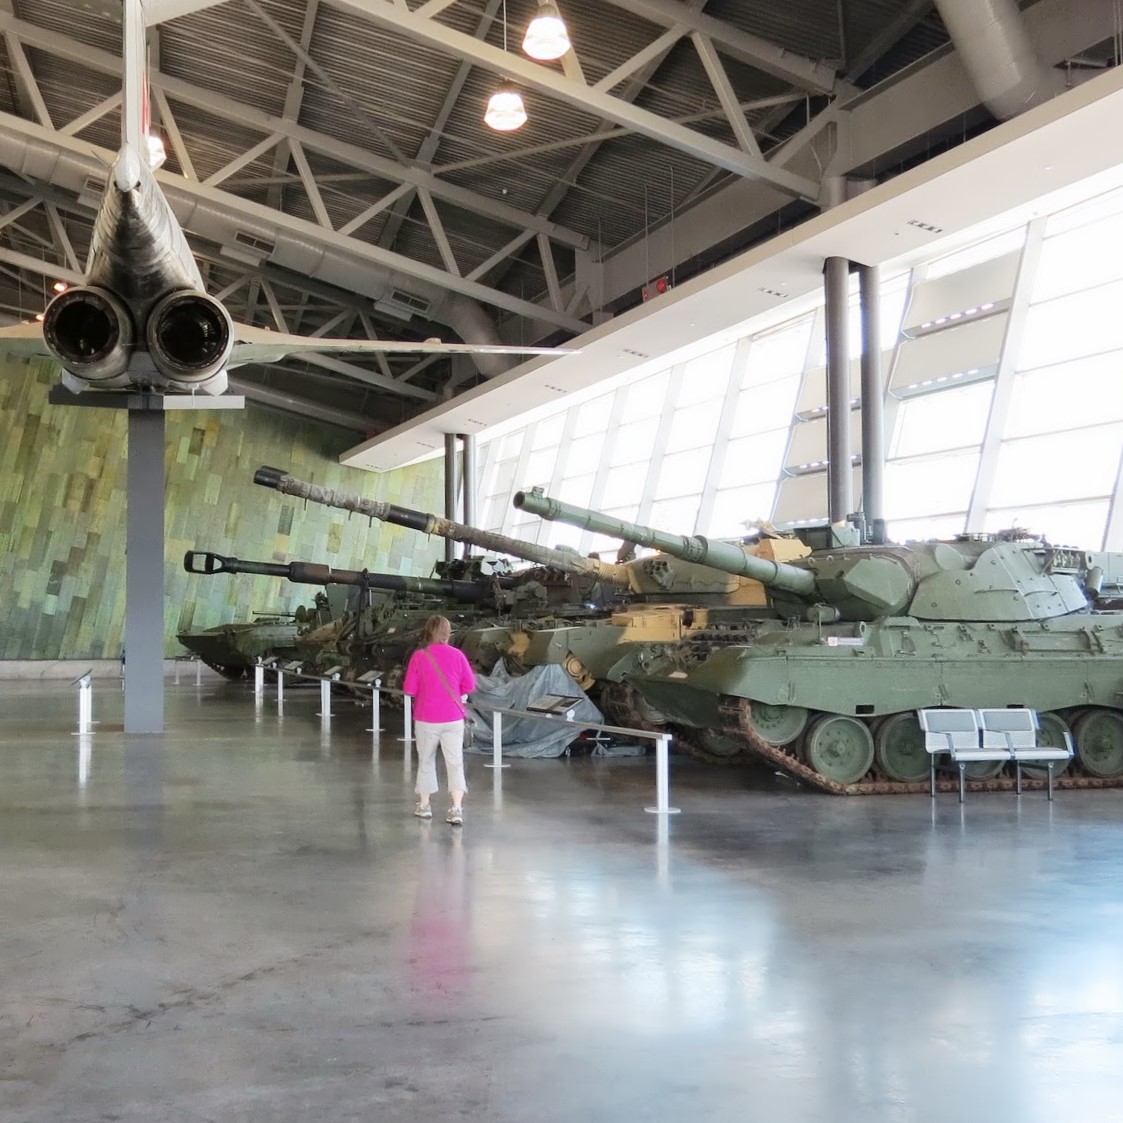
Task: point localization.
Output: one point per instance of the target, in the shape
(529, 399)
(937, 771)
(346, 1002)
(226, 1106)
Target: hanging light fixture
(505, 110)
(546, 36)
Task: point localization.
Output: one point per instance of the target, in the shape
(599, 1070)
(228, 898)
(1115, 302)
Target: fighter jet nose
(126, 169)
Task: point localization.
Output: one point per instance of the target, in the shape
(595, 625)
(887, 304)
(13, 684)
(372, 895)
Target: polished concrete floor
(240, 920)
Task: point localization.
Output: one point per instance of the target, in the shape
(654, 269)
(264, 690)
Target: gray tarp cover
(527, 737)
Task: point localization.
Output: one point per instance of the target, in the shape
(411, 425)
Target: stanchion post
(325, 699)
(198, 672)
(496, 741)
(175, 663)
(258, 676)
(280, 687)
(375, 709)
(85, 705)
(407, 721)
(662, 777)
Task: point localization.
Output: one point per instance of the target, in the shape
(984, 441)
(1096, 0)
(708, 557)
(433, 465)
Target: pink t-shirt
(433, 700)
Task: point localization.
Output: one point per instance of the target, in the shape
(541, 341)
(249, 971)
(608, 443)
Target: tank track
(620, 701)
(740, 713)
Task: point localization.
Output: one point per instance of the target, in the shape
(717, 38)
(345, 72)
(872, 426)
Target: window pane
(1056, 467)
(761, 408)
(949, 419)
(577, 490)
(539, 469)
(930, 485)
(915, 530)
(1064, 524)
(693, 426)
(736, 506)
(779, 353)
(584, 454)
(892, 310)
(683, 473)
(624, 485)
(592, 417)
(635, 441)
(1077, 260)
(982, 251)
(754, 459)
(1101, 206)
(548, 431)
(511, 445)
(1086, 323)
(496, 512)
(1066, 396)
(647, 397)
(503, 479)
(676, 516)
(707, 376)
(529, 529)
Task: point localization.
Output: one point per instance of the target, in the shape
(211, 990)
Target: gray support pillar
(836, 274)
(468, 482)
(144, 574)
(873, 404)
(451, 511)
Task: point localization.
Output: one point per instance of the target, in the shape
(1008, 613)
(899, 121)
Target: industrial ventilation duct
(995, 49)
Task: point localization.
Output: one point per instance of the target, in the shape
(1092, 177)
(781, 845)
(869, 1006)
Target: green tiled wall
(62, 517)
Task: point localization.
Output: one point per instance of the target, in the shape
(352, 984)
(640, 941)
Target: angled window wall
(1003, 403)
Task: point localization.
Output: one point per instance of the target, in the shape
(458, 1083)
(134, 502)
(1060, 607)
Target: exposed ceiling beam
(248, 117)
(816, 77)
(191, 196)
(660, 129)
(278, 398)
(160, 11)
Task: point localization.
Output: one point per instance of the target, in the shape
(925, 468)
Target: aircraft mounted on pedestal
(142, 319)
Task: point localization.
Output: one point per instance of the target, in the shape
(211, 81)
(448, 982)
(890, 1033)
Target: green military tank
(382, 621)
(233, 649)
(613, 607)
(861, 636)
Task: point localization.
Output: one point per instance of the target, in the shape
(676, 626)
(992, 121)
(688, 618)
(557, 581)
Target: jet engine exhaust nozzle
(190, 336)
(91, 333)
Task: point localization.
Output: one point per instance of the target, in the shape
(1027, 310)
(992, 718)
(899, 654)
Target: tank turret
(979, 578)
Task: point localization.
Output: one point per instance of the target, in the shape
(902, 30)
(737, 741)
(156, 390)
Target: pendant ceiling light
(546, 37)
(505, 110)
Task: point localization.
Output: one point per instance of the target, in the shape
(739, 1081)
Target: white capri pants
(449, 735)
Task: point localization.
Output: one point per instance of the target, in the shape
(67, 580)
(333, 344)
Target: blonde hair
(432, 626)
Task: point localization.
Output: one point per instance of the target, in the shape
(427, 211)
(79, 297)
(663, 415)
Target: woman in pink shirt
(439, 678)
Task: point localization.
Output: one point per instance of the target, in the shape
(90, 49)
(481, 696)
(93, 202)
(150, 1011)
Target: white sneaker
(423, 811)
(455, 816)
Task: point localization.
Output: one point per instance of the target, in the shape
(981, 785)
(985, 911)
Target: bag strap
(447, 684)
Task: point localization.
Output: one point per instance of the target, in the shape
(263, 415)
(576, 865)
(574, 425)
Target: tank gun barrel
(309, 573)
(276, 478)
(725, 556)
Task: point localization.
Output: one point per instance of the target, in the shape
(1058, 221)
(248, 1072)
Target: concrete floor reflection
(242, 920)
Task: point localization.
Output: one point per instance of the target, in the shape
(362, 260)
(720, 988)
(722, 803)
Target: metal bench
(1017, 731)
(955, 732)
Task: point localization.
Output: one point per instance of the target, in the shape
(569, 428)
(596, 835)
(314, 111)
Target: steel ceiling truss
(300, 140)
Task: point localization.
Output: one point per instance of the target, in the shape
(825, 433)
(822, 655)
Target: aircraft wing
(260, 345)
(24, 341)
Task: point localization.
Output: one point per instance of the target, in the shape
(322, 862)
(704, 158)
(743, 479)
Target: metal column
(144, 574)
(836, 274)
(468, 482)
(450, 491)
(873, 404)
